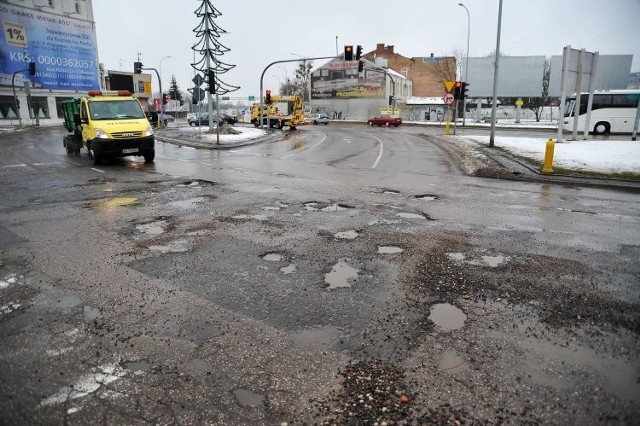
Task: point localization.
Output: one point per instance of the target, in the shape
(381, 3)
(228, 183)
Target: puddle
(199, 366)
(112, 203)
(390, 191)
(340, 276)
(254, 217)
(139, 366)
(177, 246)
(194, 184)
(495, 261)
(389, 250)
(311, 206)
(288, 269)
(347, 235)
(447, 316)
(248, 398)
(452, 362)
(153, 229)
(8, 280)
(317, 337)
(273, 257)
(189, 204)
(427, 197)
(91, 313)
(456, 257)
(383, 222)
(336, 207)
(411, 215)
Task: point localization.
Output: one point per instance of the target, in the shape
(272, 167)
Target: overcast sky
(261, 32)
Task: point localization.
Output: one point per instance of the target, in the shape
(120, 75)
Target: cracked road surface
(293, 282)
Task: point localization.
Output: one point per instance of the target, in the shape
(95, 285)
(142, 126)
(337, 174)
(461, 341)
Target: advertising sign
(63, 49)
(339, 80)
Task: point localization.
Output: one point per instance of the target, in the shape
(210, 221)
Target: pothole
(342, 275)
(347, 235)
(273, 257)
(152, 229)
(406, 215)
(177, 246)
(248, 398)
(389, 250)
(447, 316)
(427, 197)
(452, 362)
(91, 313)
(259, 217)
(189, 204)
(288, 269)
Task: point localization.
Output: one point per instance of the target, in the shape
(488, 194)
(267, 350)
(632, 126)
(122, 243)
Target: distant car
(203, 120)
(319, 119)
(385, 120)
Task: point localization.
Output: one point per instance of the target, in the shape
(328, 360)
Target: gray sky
(261, 32)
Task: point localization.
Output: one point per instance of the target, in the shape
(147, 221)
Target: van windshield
(111, 110)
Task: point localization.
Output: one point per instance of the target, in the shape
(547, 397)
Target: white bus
(613, 111)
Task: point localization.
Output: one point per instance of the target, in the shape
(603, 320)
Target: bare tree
(303, 77)
(537, 104)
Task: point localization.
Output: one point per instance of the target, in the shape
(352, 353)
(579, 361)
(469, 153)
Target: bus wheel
(601, 128)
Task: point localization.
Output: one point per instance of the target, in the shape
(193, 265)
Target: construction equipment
(108, 124)
(273, 114)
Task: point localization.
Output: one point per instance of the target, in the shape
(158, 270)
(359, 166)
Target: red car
(385, 120)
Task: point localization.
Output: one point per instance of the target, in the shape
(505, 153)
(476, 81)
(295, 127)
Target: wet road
(342, 275)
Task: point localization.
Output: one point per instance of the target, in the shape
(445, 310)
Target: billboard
(63, 49)
(517, 76)
(339, 79)
(612, 73)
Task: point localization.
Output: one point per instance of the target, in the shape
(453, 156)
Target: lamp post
(466, 71)
(494, 103)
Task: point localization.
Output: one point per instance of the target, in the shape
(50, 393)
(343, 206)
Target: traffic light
(457, 90)
(137, 67)
(267, 98)
(463, 89)
(360, 66)
(358, 52)
(32, 68)
(390, 100)
(164, 99)
(211, 81)
(348, 53)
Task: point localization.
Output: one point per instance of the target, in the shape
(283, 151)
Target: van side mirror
(76, 119)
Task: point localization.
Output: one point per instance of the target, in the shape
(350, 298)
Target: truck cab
(113, 124)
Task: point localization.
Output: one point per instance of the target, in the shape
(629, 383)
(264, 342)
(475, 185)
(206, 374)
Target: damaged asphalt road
(143, 298)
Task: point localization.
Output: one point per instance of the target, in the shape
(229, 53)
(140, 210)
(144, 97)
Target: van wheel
(601, 128)
(96, 158)
(148, 158)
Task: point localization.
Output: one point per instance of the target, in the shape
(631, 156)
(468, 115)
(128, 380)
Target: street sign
(252, 98)
(198, 80)
(448, 99)
(198, 94)
(448, 86)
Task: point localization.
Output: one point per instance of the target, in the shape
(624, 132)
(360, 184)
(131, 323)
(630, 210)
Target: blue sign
(63, 49)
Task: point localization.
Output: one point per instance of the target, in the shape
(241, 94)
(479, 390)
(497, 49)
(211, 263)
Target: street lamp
(466, 71)
(162, 59)
(494, 103)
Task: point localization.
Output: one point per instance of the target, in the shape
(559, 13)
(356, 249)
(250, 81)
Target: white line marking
(46, 164)
(97, 170)
(15, 165)
(375, 163)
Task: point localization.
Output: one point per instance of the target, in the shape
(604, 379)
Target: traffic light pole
(281, 62)
(160, 122)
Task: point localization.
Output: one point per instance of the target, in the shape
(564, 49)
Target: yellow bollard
(548, 157)
(446, 128)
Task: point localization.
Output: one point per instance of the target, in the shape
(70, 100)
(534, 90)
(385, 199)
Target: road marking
(375, 163)
(15, 165)
(46, 164)
(97, 170)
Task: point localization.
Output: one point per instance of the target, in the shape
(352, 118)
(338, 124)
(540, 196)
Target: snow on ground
(245, 133)
(604, 156)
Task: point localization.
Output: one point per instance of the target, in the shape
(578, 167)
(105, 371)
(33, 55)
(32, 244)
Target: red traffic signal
(268, 97)
(348, 53)
(457, 90)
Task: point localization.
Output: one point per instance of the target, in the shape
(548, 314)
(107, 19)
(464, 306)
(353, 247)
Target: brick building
(426, 73)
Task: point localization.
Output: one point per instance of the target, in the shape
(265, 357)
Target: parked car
(319, 119)
(203, 120)
(385, 120)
